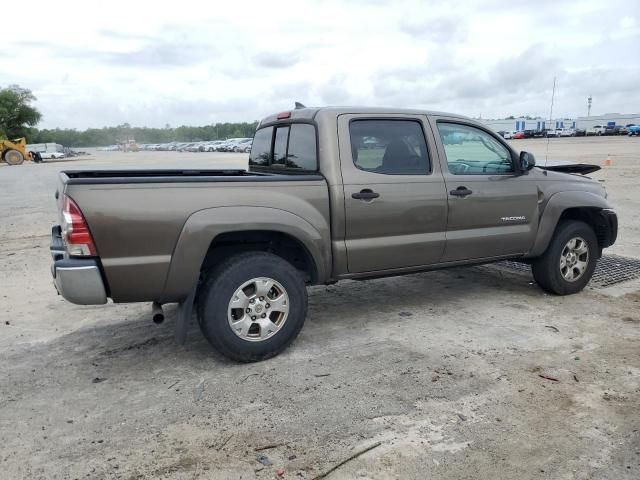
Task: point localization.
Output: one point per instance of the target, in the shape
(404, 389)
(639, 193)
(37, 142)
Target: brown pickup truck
(330, 194)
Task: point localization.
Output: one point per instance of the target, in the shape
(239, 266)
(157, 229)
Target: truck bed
(137, 216)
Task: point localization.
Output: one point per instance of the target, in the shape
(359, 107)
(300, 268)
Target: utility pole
(589, 106)
(553, 94)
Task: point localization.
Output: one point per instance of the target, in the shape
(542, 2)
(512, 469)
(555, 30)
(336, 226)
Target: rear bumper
(78, 280)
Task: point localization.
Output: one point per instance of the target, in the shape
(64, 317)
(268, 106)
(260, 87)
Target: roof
(309, 113)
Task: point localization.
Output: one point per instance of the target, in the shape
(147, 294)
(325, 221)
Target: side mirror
(527, 161)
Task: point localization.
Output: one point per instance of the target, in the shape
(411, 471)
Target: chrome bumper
(78, 280)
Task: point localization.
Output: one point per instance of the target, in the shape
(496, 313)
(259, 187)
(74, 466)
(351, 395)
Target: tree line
(18, 118)
(100, 137)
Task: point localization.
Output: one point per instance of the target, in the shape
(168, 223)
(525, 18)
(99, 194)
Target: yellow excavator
(14, 152)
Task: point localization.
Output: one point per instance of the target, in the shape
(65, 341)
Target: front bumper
(78, 280)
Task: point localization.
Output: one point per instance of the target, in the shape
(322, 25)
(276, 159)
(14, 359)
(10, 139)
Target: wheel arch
(210, 235)
(583, 206)
(284, 245)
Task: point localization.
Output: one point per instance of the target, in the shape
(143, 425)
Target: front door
(492, 210)
(395, 198)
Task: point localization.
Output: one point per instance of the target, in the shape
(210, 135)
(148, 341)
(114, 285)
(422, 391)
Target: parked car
(581, 132)
(52, 155)
(622, 130)
(566, 132)
(211, 146)
(518, 135)
(196, 147)
(610, 130)
(633, 130)
(596, 130)
(243, 145)
(243, 245)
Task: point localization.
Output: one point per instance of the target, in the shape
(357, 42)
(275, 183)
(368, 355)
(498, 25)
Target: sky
(96, 63)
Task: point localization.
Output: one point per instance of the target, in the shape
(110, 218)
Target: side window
(390, 147)
(471, 151)
(302, 147)
(261, 148)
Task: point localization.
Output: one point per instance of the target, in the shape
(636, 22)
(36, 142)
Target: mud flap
(183, 320)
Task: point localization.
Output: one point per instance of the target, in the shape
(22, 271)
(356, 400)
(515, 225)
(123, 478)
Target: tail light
(75, 231)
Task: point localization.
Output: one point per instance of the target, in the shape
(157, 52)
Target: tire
(548, 270)
(254, 337)
(13, 157)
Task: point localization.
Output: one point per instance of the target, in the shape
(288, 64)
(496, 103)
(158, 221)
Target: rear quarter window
(293, 148)
(302, 147)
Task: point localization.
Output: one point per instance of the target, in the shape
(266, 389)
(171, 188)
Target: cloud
(276, 59)
(335, 91)
(202, 63)
(160, 55)
(118, 35)
(440, 29)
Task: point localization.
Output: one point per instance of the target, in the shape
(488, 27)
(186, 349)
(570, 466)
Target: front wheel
(570, 260)
(252, 306)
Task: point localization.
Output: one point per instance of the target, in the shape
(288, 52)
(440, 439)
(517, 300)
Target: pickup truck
(330, 194)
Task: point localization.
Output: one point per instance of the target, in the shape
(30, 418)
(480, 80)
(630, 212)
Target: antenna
(553, 94)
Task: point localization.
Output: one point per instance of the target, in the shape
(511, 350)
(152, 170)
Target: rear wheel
(13, 157)
(252, 306)
(570, 260)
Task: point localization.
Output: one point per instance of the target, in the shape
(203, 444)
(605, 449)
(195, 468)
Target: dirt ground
(444, 370)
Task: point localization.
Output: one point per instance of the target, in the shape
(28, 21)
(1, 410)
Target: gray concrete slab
(464, 373)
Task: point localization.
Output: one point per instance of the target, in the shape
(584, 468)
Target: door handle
(460, 192)
(365, 194)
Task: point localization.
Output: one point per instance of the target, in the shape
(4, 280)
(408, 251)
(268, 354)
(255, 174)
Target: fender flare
(203, 226)
(554, 209)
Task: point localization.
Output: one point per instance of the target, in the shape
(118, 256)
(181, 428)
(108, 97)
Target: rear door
(395, 199)
(492, 210)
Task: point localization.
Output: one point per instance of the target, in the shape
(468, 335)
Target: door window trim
(405, 119)
(482, 128)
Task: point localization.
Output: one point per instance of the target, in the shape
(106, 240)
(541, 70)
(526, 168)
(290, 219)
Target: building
(624, 119)
(522, 123)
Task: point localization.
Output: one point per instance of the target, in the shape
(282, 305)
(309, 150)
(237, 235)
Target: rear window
(261, 147)
(294, 147)
(280, 146)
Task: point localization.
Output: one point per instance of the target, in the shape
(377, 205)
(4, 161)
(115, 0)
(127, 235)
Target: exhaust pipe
(157, 314)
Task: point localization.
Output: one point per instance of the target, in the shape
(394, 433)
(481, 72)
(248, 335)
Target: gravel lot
(443, 368)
